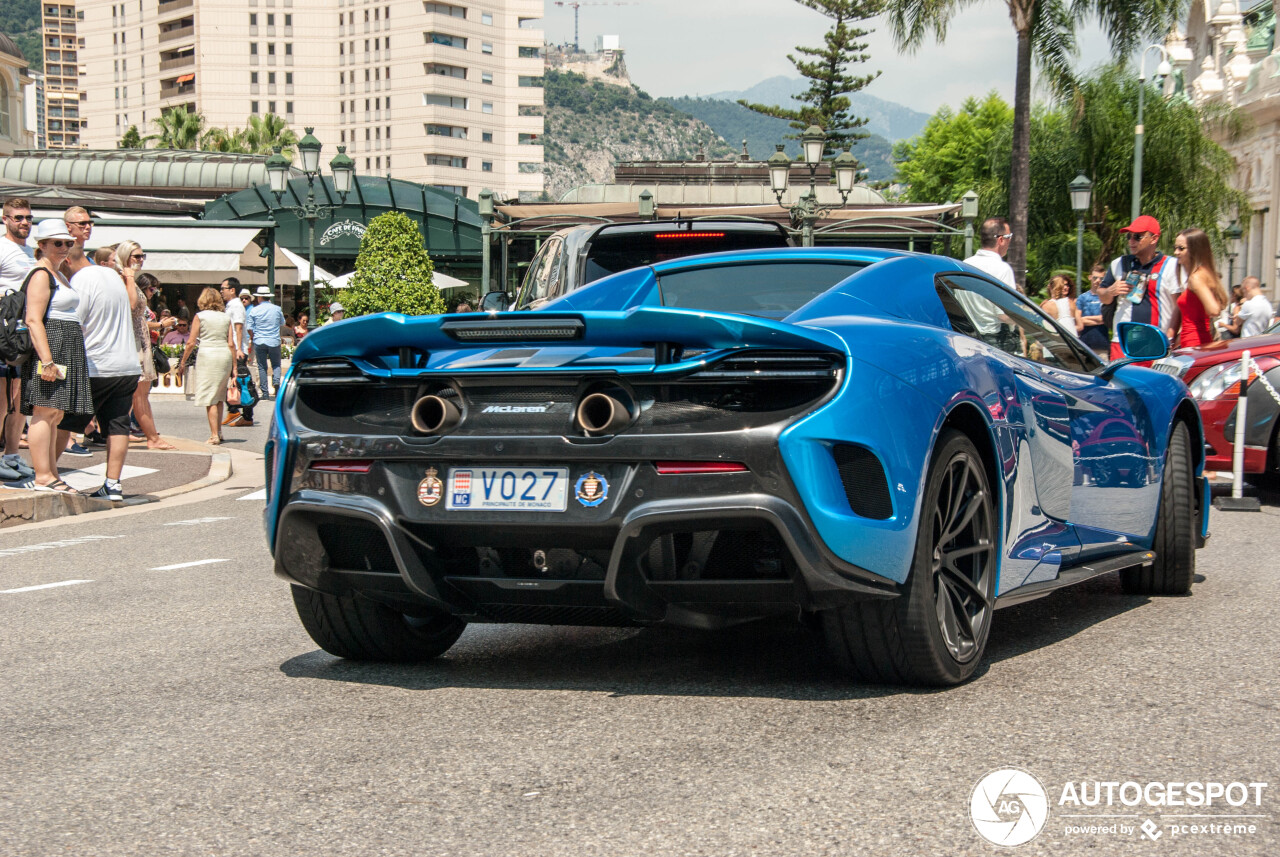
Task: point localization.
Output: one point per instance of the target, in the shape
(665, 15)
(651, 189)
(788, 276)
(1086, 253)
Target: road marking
(63, 543)
(195, 521)
(43, 586)
(256, 495)
(91, 477)
(189, 564)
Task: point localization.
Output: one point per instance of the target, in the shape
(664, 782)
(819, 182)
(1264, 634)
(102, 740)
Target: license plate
(508, 489)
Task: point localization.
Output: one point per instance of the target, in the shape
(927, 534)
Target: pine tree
(393, 271)
(131, 139)
(826, 102)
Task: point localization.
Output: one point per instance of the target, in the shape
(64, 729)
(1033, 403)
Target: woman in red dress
(1203, 295)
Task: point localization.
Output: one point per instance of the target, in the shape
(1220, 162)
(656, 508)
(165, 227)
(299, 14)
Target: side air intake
(865, 485)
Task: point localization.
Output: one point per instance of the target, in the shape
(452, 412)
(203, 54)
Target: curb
(30, 507)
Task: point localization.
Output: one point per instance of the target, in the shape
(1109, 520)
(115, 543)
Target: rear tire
(936, 631)
(351, 626)
(1175, 544)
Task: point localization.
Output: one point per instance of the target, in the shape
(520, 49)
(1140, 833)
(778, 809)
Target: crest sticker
(592, 489)
(430, 489)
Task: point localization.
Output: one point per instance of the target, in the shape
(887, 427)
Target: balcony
(185, 61)
(184, 32)
(169, 6)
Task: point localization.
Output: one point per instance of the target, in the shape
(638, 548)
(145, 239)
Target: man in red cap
(1142, 285)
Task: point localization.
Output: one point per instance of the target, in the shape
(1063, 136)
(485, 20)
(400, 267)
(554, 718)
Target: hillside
(735, 123)
(20, 20)
(592, 125)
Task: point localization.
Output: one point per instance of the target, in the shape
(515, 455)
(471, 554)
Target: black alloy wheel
(936, 631)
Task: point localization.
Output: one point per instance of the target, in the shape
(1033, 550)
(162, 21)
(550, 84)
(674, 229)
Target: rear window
(621, 251)
(768, 289)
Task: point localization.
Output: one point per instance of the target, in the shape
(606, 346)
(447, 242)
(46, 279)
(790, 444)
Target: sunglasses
(60, 244)
(29, 218)
(79, 222)
(140, 256)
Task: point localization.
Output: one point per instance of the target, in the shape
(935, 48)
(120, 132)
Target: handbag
(233, 393)
(161, 361)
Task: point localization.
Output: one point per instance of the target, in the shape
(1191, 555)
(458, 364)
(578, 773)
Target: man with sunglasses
(994, 237)
(1142, 285)
(16, 259)
(79, 226)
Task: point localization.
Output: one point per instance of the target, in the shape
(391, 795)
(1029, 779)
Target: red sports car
(1213, 374)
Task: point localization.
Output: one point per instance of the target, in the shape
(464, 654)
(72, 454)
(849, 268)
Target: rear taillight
(686, 468)
(685, 236)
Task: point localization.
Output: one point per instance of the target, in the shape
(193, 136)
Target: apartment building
(447, 94)
(62, 29)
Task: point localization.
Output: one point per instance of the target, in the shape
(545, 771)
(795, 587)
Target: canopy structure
(303, 267)
(181, 254)
(442, 281)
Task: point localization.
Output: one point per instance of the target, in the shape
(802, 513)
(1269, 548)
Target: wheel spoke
(959, 522)
(957, 578)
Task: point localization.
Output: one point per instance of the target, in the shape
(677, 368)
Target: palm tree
(224, 140)
(178, 129)
(267, 131)
(1045, 29)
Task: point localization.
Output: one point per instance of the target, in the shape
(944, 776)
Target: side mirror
(494, 302)
(1139, 343)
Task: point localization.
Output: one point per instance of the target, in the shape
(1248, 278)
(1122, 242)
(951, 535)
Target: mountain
(887, 118)
(736, 123)
(591, 125)
(20, 19)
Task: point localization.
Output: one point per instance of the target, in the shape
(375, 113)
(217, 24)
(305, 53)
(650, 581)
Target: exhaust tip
(600, 414)
(434, 415)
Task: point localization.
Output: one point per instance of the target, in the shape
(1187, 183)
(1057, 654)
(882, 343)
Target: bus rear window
(769, 289)
(609, 254)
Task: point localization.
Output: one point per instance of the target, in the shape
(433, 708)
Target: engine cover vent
(865, 485)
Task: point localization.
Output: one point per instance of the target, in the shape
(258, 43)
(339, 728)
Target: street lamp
(1233, 234)
(344, 169)
(1081, 190)
(806, 211)
(1162, 71)
(969, 211)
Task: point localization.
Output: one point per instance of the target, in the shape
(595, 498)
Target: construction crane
(576, 4)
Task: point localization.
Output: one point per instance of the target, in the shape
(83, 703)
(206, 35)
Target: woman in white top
(1062, 303)
(56, 380)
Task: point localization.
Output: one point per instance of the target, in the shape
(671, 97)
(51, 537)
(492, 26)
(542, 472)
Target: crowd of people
(96, 323)
(1182, 294)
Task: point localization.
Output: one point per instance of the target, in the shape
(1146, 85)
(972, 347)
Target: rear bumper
(632, 560)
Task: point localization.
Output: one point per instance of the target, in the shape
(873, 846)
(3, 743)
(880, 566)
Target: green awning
(450, 224)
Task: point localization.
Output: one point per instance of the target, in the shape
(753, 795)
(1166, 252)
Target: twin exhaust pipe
(598, 414)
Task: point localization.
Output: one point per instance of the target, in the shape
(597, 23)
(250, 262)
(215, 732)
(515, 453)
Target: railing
(177, 33)
(180, 62)
(167, 6)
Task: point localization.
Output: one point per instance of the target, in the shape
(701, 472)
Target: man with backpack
(16, 259)
(1142, 285)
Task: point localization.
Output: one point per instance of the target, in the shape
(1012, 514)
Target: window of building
(253, 78)
(253, 107)
(388, 163)
(342, 135)
(342, 78)
(377, 162)
(436, 100)
(288, 49)
(448, 40)
(271, 50)
(288, 78)
(271, 19)
(528, 52)
(366, 105)
(486, 18)
(486, 77)
(459, 190)
(366, 46)
(253, 49)
(455, 131)
(288, 107)
(486, 136)
(386, 73)
(529, 140)
(445, 70)
(288, 20)
(366, 75)
(377, 44)
(377, 74)
(388, 134)
(367, 135)
(271, 107)
(271, 78)
(486, 166)
(367, 164)
(253, 19)
(529, 80)
(486, 107)
(486, 47)
(442, 9)
(446, 161)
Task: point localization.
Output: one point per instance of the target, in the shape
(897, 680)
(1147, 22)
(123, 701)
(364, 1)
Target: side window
(534, 287)
(1009, 322)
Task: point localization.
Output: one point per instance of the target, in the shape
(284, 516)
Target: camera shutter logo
(1009, 807)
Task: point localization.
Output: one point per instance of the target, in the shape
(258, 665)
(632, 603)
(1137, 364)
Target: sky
(697, 47)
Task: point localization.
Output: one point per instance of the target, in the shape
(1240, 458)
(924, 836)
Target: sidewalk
(149, 476)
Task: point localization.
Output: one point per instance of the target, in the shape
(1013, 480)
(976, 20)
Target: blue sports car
(891, 445)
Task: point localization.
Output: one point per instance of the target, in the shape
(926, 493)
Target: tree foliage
(1186, 175)
(178, 129)
(1045, 30)
(131, 139)
(826, 102)
(393, 272)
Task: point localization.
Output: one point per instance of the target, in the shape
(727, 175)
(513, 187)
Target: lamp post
(806, 210)
(969, 211)
(484, 207)
(1162, 71)
(344, 169)
(1081, 190)
(1233, 234)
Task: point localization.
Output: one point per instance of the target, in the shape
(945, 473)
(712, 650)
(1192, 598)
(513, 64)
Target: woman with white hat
(56, 380)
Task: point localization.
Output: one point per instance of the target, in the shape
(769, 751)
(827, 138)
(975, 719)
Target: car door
(1040, 537)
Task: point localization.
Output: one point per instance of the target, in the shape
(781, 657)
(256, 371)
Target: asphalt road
(162, 707)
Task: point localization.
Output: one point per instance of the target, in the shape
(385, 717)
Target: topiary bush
(393, 272)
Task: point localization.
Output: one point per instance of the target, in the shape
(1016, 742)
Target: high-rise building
(33, 92)
(62, 28)
(447, 94)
